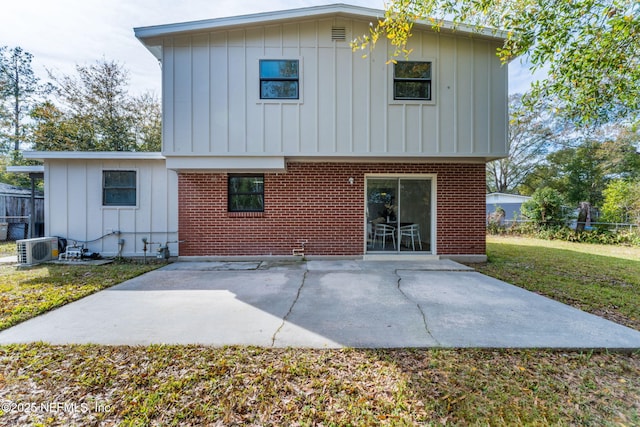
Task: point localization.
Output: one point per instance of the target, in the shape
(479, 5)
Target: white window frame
(434, 77)
(299, 100)
(107, 169)
(434, 212)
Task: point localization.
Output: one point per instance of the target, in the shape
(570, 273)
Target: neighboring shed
(15, 209)
(511, 204)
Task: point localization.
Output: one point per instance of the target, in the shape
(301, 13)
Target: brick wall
(316, 203)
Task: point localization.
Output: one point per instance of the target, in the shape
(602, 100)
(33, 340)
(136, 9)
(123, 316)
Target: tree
(147, 122)
(18, 89)
(591, 49)
(529, 137)
(618, 152)
(54, 131)
(545, 207)
(582, 168)
(621, 201)
(94, 112)
(98, 95)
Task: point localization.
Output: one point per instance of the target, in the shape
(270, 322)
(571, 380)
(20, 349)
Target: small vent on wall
(338, 34)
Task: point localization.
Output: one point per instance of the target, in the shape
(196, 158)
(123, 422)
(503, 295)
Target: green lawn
(600, 279)
(7, 248)
(25, 293)
(197, 385)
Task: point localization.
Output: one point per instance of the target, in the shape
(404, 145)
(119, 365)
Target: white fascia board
(92, 155)
(150, 36)
(25, 169)
(257, 18)
(506, 198)
(226, 164)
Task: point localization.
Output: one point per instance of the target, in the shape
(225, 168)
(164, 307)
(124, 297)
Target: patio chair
(384, 231)
(411, 232)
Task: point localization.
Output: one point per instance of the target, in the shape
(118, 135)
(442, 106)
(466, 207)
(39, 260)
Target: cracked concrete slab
(355, 309)
(172, 306)
(321, 304)
(468, 309)
(212, 266)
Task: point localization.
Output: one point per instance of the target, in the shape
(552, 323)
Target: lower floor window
(246, 193)
(118, 188)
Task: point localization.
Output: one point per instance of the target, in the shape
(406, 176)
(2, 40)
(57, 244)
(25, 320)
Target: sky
(62, 33)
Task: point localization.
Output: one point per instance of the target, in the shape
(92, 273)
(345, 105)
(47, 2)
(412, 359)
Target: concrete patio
(322, 304)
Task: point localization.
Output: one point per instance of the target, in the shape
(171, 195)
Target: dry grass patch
(192, 385)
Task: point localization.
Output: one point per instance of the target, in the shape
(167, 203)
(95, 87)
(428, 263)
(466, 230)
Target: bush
(544, 208)
(621, 201)
(564, 233)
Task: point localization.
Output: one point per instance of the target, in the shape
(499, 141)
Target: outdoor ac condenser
(35, 251)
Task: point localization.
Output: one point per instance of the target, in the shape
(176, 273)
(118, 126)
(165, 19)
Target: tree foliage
(582, 167)
(19, 89)
(545, 207)
(93, 111)
(591, 49)
(622, 201)
(530, 135)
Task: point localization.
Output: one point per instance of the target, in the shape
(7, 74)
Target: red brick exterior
(316, 203)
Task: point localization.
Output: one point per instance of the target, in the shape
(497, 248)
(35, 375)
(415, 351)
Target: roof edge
(150, 32)
(26, 169)
(92, 155)
(254, 18)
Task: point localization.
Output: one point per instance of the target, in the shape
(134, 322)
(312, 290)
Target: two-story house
(278, 138)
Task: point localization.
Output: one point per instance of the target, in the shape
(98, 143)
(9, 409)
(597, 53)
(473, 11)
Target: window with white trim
(412, 80)
(279, 79)
(119, 188)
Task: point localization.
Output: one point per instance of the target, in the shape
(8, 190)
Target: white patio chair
(384, 231)
(411, 232)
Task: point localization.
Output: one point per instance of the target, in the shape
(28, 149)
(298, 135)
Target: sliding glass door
(398, 214)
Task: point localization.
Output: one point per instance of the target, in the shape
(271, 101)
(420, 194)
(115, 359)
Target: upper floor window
(412, 80)
(118, 188)
(279, 79)
(246, 193)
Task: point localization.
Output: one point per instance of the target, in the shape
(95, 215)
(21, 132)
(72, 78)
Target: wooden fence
(15, 209)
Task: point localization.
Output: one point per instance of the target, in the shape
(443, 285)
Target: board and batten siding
(212, 107)
(74, 211)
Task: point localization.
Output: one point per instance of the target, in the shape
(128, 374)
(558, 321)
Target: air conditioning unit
(35, 251)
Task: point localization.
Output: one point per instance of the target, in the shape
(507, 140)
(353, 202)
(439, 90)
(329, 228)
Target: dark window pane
(412, 70)
(278, 69)
(118, 188)
(246, 184)
(120, 197)
(246, 203)
(278, 89)
(116, 179)
(246, 193)
(412, 90)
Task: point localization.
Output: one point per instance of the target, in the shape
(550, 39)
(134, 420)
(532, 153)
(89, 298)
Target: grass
(7, 248)
(192, 385)
(197, 385)
(600, 279)
(25, 293)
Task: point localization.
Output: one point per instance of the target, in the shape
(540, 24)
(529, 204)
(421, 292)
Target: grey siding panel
(212, 104)
(73, 194)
